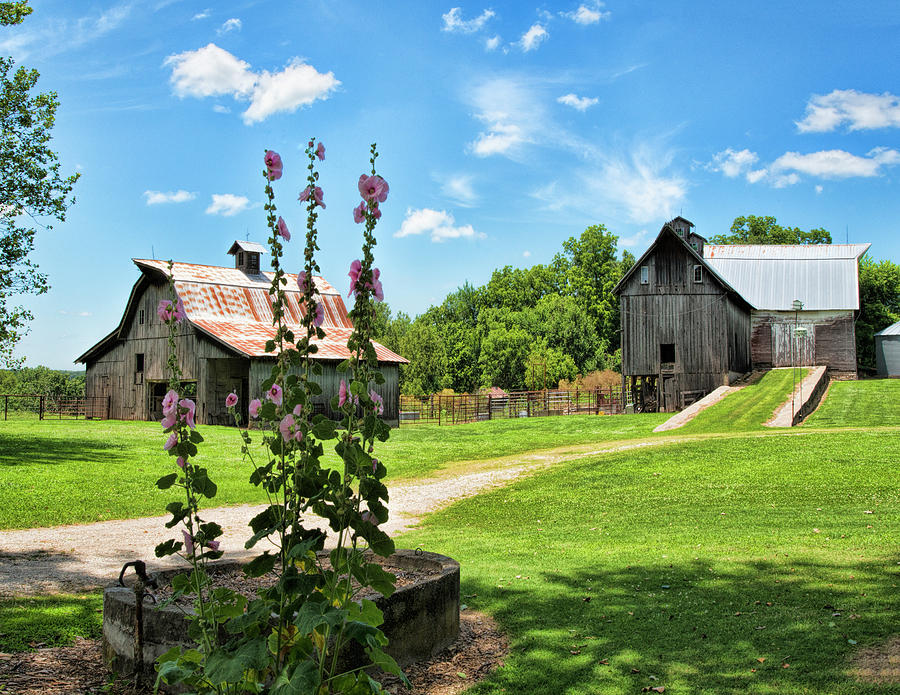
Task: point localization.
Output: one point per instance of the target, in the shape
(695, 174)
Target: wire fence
(462, 408)
(17, 406)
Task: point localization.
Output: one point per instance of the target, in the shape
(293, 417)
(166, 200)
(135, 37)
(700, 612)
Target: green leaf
(260, 565)
(305, 678)
(196, 437)
(169, 547)
(323, 429)
(386, 663)
(167, 481)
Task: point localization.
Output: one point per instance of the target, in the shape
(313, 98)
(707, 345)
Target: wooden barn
(805, 300)
(685, 329)
(695, 315)
(221, 345)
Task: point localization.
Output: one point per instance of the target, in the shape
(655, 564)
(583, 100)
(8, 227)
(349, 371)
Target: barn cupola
(246, 256)
(683, 229)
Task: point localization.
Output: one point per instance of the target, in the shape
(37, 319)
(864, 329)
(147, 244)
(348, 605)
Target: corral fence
(44, 407)
(462, 408)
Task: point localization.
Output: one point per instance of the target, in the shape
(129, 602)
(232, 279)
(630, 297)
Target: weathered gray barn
(825, 280)
(887, 351)
(696, 315)
(685, 329)
(221, 345)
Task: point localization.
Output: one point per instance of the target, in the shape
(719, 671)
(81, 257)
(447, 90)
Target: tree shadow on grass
(22, 450)
(45, 621)
(758, 628)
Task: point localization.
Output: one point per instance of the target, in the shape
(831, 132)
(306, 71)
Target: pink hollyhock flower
(188, 542)
(169, 400)
(255, 405)
(375, 285)
(231, 400)
(181, 462)
(171, 441)
(320, 152)
(288, 429)
(355, 269)
(320, 197)
(359, 213)
(342, 394)
(212, 545)
(317, 195)
(164, 310)
(374, 465)
(319, 318)
(373, 188)
(298, 409)
(273, 165)
(275, 394)
(190, 407)
(282, 229)
(170, 418)
(301, 281)
(370, 517)
(304, 195)
(180, 313)
(378, 401)
(376, 212)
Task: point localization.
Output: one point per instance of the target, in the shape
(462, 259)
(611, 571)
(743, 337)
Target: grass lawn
(49, 621)
(62, 472)
(720, 566)
(749, 408)
(859, 404)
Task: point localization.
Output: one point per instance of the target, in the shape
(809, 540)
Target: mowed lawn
(63, 472)
(758, 564)
(859, 404)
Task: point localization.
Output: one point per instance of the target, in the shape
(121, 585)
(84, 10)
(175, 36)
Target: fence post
(490, 407)
(439, 410)
(40, 407)
(5, 407)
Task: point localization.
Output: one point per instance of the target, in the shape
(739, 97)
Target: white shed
(887, 351)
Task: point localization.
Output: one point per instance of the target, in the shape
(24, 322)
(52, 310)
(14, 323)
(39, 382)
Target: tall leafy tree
(32, 191)
(879, 302)
(766, 230)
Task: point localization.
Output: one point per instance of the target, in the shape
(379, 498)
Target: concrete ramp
(689, 413)
(803, 400)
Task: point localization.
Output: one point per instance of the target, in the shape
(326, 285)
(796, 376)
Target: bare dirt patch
(879, 664)
(79, 669)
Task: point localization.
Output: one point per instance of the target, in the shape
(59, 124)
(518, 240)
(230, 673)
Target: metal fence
(462, 408)
(44, 407)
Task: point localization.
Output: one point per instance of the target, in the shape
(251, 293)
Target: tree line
(531, 327)
(42, 381)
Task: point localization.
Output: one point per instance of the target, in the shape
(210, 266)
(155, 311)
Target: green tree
(879, 302)
(31, 187)
(423, 347)
(504, 353)
(765, 230)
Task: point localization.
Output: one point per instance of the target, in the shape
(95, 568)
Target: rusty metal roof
(822, 276)
(235, 309)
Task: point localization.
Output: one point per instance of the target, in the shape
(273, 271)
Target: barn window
(253, 262)
(240, 258)
(694, 245)
(698, 273)
(667, 353)
(139, 362)
(141, 317)
(645, 275)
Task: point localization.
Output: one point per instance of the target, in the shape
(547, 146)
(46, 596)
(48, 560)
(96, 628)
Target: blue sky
(504, 129)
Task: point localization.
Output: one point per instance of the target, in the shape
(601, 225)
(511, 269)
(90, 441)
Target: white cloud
(858, 110)
(638, 185)
(233, 24)
(587, 15)
(492, 43)
(511, 114)
(756, 175)
(213, 71)
(58, 36)
(819, 189)
(734, 163)
(158, 197)
(837, 164)
(638, 239)
(453, 22)
(227, 204)
(219, 108)
(576, 102)
(526, 254)
(210, 71)
(533, 38)
(440, 224)
(200, 15)
(459, 188)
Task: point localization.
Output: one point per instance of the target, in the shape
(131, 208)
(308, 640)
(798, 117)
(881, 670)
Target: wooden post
(439, 410)
(5, 407)
(40, 407)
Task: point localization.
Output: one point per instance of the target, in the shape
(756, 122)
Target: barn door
(668, 395)
(792, 346)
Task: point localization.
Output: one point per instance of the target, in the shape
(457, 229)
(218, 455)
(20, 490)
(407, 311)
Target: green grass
(688, 563)
(49, 621)
(749, 408)
(869, 403)
(64, 472)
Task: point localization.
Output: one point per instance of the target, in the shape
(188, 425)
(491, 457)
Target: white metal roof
(891, 330)
(822, 276)
(250, 246)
